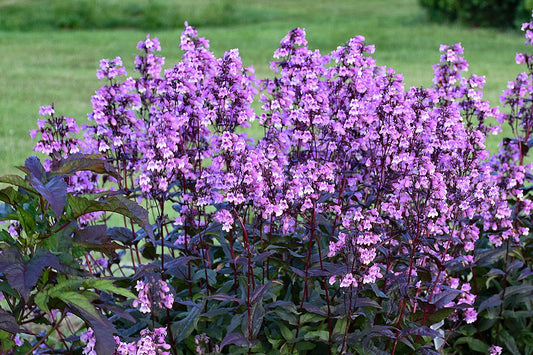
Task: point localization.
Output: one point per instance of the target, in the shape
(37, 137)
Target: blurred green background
(50, 49)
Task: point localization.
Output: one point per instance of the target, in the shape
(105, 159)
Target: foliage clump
(368, 218)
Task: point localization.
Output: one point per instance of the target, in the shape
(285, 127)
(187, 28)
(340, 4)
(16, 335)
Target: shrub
(368, 219)
(492, 13)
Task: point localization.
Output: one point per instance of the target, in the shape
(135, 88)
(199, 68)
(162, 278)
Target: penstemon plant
(367, 219)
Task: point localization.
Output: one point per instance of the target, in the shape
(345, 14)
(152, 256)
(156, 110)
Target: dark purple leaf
(422, 331)
(259, 292)
(35, 168)
(121, 234)
(314, 309)
(96, 234)
(23, 276)
(525, 273)
(260, 257)
(103, 331)
(225, 297)
(298, 272)
(443, 298)
(235, 339)
(493, 301)
(118, 204)
(9, 323)
(489, 257)
(366, 302)
(54, 191)
(517, 290)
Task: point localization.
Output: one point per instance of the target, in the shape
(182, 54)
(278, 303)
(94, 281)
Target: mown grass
(58, 66)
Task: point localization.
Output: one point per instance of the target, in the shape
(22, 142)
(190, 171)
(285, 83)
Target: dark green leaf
(473, 344)
(185, 327)
(16, 180)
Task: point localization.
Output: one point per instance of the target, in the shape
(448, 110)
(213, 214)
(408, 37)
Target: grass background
(51, 48)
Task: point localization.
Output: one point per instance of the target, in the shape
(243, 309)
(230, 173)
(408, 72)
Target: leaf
(493, 301)
(431, 318)
(9, 323)
(473, 344)
(309, 307)
(54, 191)
(259, 292)
(443, 298)
(109, 286)
(225, 297)
(321, 335)
(33, 167)
(516, 290)
(119, 204)
(422, 331)
(185, 327)
(489, 257)
(16, 180)
(78, 300)
(95, 234)
(257, 313)
(23, 276)
(103, 332)
(121, 234)
(84, 162)
(235, 339)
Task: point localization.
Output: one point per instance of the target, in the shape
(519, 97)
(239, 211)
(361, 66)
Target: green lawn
(41, 67)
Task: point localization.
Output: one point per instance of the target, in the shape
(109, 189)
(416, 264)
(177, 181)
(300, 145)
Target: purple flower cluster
(390, 173)
(150, 342)
(153, 293)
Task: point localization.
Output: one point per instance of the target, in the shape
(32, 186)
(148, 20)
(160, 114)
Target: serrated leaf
(78, 300)
(54, 192)
(16, 180)
(118, 204)
(84, 162)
